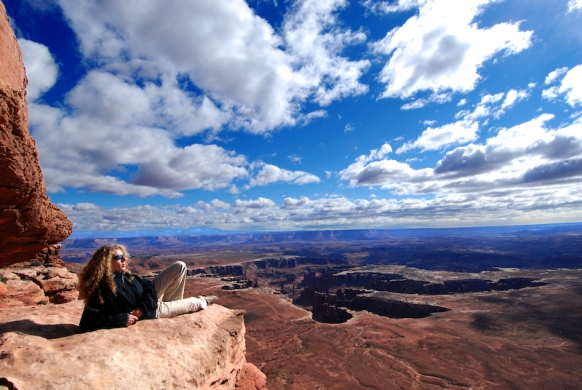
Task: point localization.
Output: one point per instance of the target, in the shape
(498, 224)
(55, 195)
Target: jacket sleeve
(149, 299)
(95, 317)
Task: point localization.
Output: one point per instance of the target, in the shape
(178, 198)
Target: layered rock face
(41, 348)
(40, 281)
(29, 222)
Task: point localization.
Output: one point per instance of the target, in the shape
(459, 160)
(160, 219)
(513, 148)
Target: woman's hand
(136, 312)
(131, 320)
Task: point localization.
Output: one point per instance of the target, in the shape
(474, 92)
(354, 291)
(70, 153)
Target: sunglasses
(118, 257)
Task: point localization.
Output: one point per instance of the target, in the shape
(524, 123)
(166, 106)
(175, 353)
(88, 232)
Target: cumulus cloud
(140, 67)
(260, 203)
(528, 157)
(257, 77)
(292, 203)
(271, 174)
(441, 48)
(513, 97)
(340, 212)
(554, 75)
(570, 85)
(314, 42)
(467, 127)
(436, 138)
(41, 69)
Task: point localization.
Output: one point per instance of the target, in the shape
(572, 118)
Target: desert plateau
(392, 310)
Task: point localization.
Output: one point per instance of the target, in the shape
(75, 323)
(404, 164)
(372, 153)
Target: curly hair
(98, 272)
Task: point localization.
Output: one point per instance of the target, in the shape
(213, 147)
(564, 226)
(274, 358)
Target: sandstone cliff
(29, 222)
(41, 348)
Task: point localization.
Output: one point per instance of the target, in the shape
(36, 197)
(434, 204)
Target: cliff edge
(41, 348)
(29, 222)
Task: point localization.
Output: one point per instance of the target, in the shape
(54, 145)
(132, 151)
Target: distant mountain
(319, 236)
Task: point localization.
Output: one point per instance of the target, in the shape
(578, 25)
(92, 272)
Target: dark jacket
(132, 292)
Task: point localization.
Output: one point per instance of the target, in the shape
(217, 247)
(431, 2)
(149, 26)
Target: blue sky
(184, 116)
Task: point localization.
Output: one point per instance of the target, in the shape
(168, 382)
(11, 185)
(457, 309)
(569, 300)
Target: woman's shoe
(210, 299)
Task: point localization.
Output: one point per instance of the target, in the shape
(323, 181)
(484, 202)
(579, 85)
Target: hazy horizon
(477, 230)
(257, 115)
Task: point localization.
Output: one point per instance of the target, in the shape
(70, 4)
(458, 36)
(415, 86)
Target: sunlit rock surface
(40, 347)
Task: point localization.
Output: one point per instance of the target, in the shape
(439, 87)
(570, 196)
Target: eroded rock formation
(29, 222)
(41, 348)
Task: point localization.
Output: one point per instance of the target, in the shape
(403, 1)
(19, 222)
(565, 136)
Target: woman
(116, 298)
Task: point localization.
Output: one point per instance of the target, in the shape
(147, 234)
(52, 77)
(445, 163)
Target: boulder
(30, 284)
(251, 378)
(29, 222)
(22, 293)
(42, 348)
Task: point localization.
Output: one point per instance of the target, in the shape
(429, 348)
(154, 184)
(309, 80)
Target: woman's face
(121, 264)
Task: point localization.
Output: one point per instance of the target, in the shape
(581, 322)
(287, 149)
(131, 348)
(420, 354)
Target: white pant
(170, 285)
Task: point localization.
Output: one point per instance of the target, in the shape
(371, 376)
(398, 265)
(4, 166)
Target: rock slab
(41, 348)
(29, 222)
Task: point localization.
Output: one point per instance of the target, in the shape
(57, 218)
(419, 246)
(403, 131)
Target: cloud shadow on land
(559, 314)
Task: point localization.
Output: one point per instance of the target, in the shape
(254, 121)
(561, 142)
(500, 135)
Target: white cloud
(259, 203)
(258, 78)
(291, 203)
(467, 127)
(442, 48)
(314, 42)
(437, 138)
(574, 4)
(554, 75)
(271, 174)
(513, 97)
(391, 7)
(551, 93)
(340, 212)
(41, 69)
(295, 158)
(219, 204)
(247, 76)
(434, 98)
(572, 86)
(528, 158)
(349, 127)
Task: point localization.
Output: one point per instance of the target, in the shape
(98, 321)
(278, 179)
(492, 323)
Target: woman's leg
(170, 282)
(182, 306)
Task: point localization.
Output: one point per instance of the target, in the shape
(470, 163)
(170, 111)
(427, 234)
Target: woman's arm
(149, 298)
(94, 318)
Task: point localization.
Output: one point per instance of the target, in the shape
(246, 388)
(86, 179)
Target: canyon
(493, 310)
